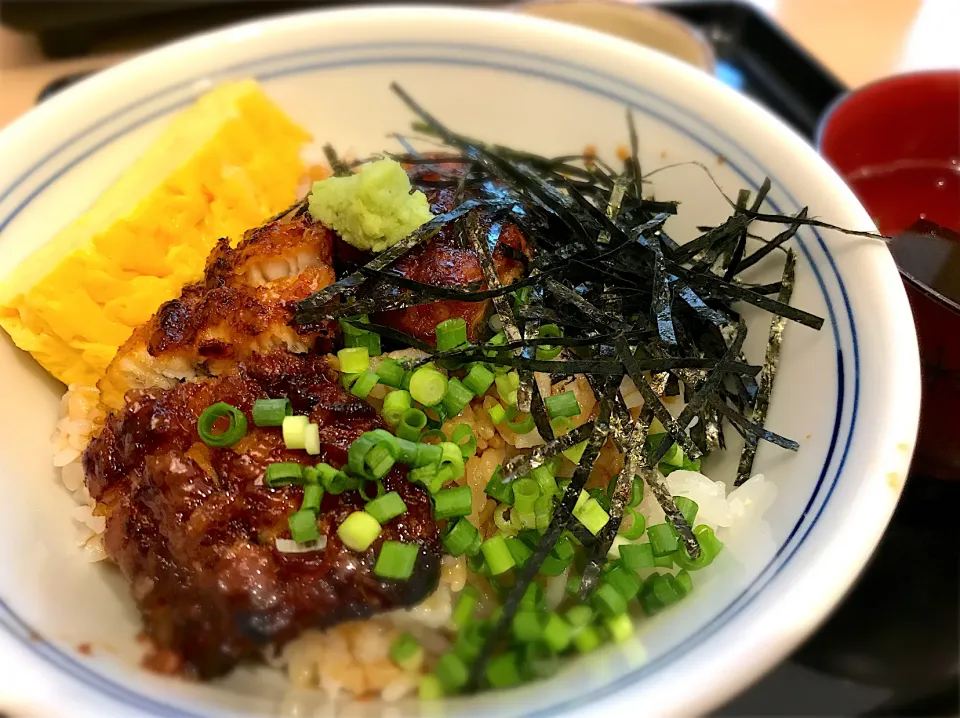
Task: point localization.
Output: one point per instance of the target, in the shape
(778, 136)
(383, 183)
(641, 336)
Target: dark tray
(891, 648)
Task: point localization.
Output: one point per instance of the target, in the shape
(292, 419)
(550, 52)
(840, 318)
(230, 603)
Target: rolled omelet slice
(223, 165)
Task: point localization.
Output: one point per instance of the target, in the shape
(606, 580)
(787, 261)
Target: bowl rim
(775, 647)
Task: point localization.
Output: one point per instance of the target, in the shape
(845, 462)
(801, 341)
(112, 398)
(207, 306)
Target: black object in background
(758, 58)
(891, 647)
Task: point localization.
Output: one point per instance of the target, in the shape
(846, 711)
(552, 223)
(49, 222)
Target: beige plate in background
(639, 24)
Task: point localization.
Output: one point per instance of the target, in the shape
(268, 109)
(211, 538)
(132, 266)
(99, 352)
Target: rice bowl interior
(821, 386)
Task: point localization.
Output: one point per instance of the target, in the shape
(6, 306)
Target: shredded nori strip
(562, 517)
(634, 464)
(306, 309)
(481, 245)
(522, 464)
(767, 374)
(767, 248)
(635, 369)
(627, 298)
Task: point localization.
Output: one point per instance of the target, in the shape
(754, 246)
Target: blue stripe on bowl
(492, 58)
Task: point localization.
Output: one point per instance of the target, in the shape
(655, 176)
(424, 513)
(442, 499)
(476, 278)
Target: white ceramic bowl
(849, 393)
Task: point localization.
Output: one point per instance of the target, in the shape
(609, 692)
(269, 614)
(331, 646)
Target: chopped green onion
(428, 386)
(464, 438)
(427, 454)
(372, 494)
(502, 522)
(283, 473)
(460, 537)
(545, 480)
(636, 527)
(562, 405)
(559, 558)
(543, 512)
(451, 333)
(428, 476)
(470, 639)
(353, 360)
(364, 383)
(684, 580)
(346, 380)
(407, 652)
(624, 580)
(687, 507)
(690, 464)
(303, 526)
(412, 422)
(518, 550)
(667, 590)
(665, 561)
(451, 671)
(479, 379)
(662, 539)
(429, 688)
(561, 426)
(546, 352)
(333, 480)
(394, 405)
(573, 583)
(367, 340)
(456, 397)
(396, 560)
(497, 414)
(620, 627)
(390, 372)
(579, 616)
(451, 461)
(539, 661)
(592, 515)
(497, 555)
(521, 297)
(431, 433)
(386, 507)
(527, 626)
(587, 639)
(502, 671)
(650, 603)
(525, 493)
(710, 546)
(358, 531)
(452, 503)
(507, 386)
(236, 429)
(636, 492)
(270, 412)
(373, 452)
(294, 431)
(311, 439)
(575, 452)
(498, 490)
(533, 596)
(608, 601)
(522, 425)
(379, 460)
(637, 556)
(557, 633)
(466, 606)
(312, 496)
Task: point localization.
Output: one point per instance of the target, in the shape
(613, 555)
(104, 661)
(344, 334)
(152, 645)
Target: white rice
(81, 416)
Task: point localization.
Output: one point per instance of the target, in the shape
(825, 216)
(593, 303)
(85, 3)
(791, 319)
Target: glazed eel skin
(193, 528)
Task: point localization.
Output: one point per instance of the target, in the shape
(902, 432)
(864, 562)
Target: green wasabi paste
(372, 209)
